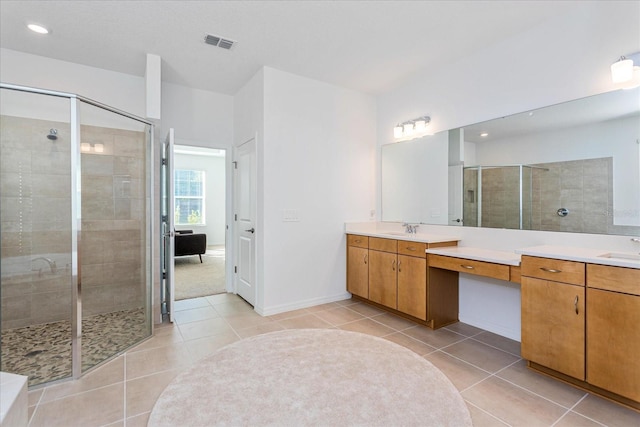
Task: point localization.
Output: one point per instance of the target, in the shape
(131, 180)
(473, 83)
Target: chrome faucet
(52, 264)
(410, 228)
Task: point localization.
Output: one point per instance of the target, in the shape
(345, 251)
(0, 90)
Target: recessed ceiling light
(38, 29)
(483, 134)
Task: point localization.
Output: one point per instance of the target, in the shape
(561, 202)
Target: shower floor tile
(43, 352)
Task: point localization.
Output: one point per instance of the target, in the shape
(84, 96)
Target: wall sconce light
(87, 147)
(410, 129)
(625, 72)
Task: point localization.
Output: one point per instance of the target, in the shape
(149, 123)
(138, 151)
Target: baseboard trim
(283, 308)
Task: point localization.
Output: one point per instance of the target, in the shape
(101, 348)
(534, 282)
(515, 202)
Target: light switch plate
(290, 215)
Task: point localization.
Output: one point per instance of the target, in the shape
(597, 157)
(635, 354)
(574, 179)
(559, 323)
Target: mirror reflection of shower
(53, 134)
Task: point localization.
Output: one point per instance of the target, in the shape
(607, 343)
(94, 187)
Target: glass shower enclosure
(498, 196)
(75, 217)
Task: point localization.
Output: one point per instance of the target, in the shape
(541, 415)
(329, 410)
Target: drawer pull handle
(365, 258)
(550, 270)
(393, 265)
(468, 267)
(399, 270)
(357, 240)
(575, 304)
(411, 248)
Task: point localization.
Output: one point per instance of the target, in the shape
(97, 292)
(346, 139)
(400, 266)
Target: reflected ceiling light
(38, 29)
(625, 72)
(413, 128)
(483, 134)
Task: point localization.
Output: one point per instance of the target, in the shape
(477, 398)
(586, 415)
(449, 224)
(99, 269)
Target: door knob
(251, 230)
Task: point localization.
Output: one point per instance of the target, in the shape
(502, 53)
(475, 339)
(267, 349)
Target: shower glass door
(114, 238)
(35, 226)
(75, 223)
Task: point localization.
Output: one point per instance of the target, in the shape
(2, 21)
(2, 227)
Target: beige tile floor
(486, 368)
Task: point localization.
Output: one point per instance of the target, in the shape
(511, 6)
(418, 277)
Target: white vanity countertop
(478, 254)
(418, 237)
(592, 256)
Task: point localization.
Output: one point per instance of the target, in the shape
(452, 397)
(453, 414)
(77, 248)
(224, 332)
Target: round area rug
(311, 377)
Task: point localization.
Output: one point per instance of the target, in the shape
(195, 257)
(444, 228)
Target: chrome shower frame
(76, 225)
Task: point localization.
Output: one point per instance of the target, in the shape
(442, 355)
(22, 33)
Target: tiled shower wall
(36, 221)
(113, 220)
(584, 187)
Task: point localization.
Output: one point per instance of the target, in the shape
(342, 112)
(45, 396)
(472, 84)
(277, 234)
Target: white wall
(214, 168)
(200, 118)
(319, 149)
(123, 91)
(563, 59)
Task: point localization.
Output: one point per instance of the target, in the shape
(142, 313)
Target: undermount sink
(614, 255)
(395, 233)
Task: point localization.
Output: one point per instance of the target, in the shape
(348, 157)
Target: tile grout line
(497, 348)
(470, 364)
(570, 410)
(486, 378)
(487, 412)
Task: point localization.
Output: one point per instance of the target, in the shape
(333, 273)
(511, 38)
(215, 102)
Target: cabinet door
(412, 286)
(553, 325)
(358, 271)
(613, 342)
(382, 278)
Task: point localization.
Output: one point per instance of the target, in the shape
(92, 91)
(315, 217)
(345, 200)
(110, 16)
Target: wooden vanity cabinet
(553, 329)
(412, 279)
(583, 326)
(358, 265)
(553, 314)
(383, 266)
(613, 331)
(393, 274)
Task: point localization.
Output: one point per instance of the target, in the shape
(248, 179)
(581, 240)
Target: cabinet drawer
(359, 241)
(555, 270)
(416, 249)
(384, 245)
(617, 279)
(480, 268)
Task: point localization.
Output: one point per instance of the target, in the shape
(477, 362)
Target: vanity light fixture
(625, 72)
(38, 28)
(410, 129)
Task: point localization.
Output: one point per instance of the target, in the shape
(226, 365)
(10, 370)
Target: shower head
(53, 134)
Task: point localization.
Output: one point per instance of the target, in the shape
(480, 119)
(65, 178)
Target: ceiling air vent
(219, 41)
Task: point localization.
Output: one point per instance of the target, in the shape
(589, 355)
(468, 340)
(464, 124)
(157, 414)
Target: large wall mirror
(568, 167)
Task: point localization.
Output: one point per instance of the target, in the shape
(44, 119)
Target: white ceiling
(369, 46)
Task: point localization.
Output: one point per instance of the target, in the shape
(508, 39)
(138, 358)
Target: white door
(455, 195)
(168, 240)
(245, 220)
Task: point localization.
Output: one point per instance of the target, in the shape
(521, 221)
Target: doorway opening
(199, 214)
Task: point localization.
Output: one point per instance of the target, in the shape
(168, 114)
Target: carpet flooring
(322, 377)
(194, 279)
